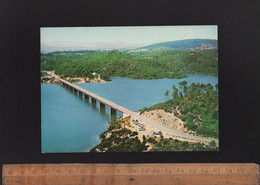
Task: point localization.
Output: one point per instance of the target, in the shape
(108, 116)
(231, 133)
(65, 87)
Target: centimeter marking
(37, 173)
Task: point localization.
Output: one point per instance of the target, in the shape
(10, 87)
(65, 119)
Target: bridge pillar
(101, 105)
(93, 100)
(112, 111)
(80, 93)
(86, 97)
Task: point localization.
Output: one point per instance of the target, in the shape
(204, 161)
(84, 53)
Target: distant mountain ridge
(189, 44)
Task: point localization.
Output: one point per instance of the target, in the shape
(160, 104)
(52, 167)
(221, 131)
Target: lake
(72, 124)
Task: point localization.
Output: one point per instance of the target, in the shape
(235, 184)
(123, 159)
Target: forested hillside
(137, 65)
(204, 62)
(196, 104)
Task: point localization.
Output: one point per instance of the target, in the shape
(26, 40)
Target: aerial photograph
(129, 89)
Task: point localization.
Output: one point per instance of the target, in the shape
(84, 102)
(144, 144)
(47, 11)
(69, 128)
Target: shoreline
(47, 79)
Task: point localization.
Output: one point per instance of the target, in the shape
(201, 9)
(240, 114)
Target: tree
(216, 92)
(175, 94)
(166, 94)
(180, 94)
(216, 86)
(209, 88)
(174, 87)
(144, 147)
(144, 139)
(212, 143)
(183, 84)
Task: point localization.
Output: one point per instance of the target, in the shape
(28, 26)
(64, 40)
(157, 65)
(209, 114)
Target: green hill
(137, 65)
(197, 106)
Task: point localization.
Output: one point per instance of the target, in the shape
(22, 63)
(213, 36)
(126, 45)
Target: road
(171, 132)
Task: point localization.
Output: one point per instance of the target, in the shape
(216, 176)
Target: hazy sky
(122, 36)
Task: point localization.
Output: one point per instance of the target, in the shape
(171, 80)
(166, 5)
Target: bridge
(113, 107)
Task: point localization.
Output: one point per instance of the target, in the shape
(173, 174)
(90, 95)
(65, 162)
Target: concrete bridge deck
(99, 98)
(128, 112)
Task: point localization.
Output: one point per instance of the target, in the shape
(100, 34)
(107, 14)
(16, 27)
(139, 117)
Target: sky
(120, 37)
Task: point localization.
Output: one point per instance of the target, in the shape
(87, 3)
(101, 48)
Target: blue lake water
(72, 124)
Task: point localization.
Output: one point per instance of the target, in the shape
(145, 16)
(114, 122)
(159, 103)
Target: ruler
(121, 174)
